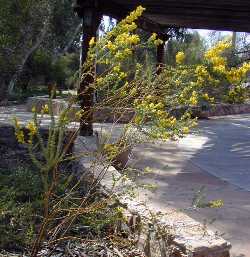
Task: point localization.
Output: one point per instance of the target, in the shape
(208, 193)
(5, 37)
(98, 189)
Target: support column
(161, 52)
(91, 22)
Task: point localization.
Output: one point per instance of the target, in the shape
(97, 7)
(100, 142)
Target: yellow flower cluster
(155, 40)
(117, 46)
(31, 126)
(128, 39)
(213, 53)
(185, 130)
(92, 42)
(45, 109)
(19, 132)
(235, 75)
(79, 114)
(20, 137)
(120, 74)
(149, 105)
(201, 71)
(216, 204)
(180, 57)
(150, 110)
(134, 15)
(214, 57)
(194, 98)
(236, 94)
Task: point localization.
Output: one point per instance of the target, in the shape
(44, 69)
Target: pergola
(159, 16)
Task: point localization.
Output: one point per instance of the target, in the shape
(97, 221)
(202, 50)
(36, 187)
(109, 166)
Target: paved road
(216, 156)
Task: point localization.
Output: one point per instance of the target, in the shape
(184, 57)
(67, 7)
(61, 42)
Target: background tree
(28, 26)
(189, 42)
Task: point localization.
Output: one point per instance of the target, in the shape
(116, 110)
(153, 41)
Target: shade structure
(231, 15)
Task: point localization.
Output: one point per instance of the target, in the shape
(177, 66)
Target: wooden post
(91, 22)
(161, 52)
(160, 57)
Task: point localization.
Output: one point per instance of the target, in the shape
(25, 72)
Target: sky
(205, 32)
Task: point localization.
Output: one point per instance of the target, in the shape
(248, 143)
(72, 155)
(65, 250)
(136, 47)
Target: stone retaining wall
(188, 237)
(227, 109)
(125, 115)
(105, 114)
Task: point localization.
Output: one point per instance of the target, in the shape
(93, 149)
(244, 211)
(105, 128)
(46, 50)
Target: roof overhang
(230, 15)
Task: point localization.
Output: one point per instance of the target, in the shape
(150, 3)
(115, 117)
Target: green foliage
(20, 207)
(41, 64)
(190, 43)
(62, 71)
(28, 23)
(66, 70)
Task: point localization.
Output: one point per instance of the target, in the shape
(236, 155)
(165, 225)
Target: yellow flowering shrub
(131, 88)
(204, 84)
(231, 78)
(153, 96)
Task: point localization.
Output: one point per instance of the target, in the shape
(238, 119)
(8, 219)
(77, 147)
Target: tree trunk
(19, 71)
(3, 92)
(59, 54)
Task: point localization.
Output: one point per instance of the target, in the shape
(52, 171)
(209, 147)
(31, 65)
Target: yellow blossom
(32, 128)
(201, 71)
(185, 130)
(206, 97)
(45, 109)
(20, 136)
(133, 91)
(213, 56)
(180, 57)
(117, 69)
(79, 114)
(138, 120)
(173, 121)
(216, 204)
(194, 98)
(134, 15)
(33, 109)
(92, 42)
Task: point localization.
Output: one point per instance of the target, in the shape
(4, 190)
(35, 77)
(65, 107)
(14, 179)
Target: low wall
(125, 115)
(104, 114)
(188, 237)
(227, 109)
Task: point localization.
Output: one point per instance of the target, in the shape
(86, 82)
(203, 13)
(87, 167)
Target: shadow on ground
(216, 157)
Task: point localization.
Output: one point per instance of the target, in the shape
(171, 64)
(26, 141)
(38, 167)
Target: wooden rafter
(233, 15)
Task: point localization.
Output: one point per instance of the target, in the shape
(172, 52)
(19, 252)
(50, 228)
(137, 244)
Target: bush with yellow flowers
(204, 84)
(150, 94)
(153, 95)
(229, 80)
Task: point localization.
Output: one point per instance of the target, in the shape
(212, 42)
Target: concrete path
(216, 156)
